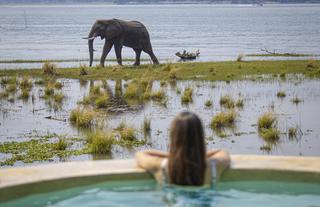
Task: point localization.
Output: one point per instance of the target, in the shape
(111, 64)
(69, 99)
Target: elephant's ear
(113, 30)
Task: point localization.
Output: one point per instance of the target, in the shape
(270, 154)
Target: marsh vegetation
(107, 117)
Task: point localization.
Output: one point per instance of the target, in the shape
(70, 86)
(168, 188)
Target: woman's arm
(150, 159)
(222, 159)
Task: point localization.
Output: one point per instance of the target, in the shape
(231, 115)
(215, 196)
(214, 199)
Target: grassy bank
(230, 70)
(64, 60)
(281, 55)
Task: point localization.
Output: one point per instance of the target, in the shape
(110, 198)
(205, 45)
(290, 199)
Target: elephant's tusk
(89, 38)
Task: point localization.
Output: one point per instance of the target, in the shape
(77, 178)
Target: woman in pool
(187, 162)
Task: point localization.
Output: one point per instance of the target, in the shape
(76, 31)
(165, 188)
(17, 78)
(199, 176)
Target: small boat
(188, 55)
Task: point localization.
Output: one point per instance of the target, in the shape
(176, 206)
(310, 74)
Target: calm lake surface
(220, 32)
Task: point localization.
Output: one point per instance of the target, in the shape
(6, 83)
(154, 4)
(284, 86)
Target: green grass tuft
(270, 134)
(223, 119)
(49, 90)
(24, 94)
(102, 101)
(296, 100)
(227, 101)
(187, 95)
(267, 120)
(11, 88)
(4, 94)
(81, 118)
(281, 94)
(83, 69)
(292, 132)
(163, 83)
(58, 97)
(100, 142)
(39, 82)
(49, 69)
(240, 103)
(133, 91)
(158, 95)
(126, 133)
(208, 103)
(58, 85)
(62, 144)
(25, 83)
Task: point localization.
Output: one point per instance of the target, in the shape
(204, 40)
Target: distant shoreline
(156, 3)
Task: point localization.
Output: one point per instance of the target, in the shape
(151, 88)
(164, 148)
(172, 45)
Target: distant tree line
(154, 1)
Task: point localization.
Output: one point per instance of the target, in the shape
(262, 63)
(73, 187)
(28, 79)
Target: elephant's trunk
(91, 37)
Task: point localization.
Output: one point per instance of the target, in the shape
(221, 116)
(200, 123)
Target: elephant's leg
(106, 49)
(138, 53)
(118, 48)
(153, 57)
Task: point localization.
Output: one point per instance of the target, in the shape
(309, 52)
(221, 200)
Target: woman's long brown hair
(187, 154)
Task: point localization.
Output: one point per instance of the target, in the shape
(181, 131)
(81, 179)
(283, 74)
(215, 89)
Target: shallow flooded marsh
(68, 119)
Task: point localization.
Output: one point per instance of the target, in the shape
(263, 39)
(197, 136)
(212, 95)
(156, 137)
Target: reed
(146, 125)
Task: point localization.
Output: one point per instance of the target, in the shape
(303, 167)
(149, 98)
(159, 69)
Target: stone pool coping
(21, 181)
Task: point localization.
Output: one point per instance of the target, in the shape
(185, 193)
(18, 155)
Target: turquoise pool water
(147, 193)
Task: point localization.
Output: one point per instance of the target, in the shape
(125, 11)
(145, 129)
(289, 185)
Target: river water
(220, 32)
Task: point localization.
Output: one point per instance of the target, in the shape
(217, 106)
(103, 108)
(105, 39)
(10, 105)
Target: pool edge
(21, 181)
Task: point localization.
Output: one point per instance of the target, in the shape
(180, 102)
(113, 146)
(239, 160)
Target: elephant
(119, 33)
